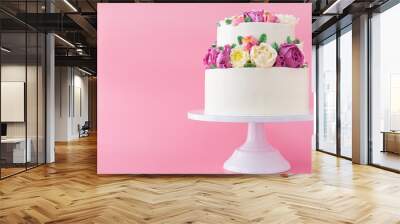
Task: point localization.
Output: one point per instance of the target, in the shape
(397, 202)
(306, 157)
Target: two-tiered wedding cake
(256, 67)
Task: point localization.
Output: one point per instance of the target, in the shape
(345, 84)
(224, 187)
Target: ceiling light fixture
(328, 10)
(337, 7)
(84, 71)
(64, 40)
(5, 50)
(70, 5)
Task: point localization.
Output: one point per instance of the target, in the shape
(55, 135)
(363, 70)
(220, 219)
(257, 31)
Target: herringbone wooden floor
(70, 191)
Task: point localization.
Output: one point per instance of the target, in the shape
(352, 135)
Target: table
(391, 141)
(256, 155)
(18, 151)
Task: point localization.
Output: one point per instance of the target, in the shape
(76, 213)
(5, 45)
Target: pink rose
(255, 15)
(237, 20)
(289, 55)
(248, 42)
(210, 59)
(272, 18)
(223, 58)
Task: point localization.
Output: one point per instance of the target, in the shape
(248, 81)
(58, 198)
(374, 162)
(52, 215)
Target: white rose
(287, 19)
(263, 56)
(239, 57)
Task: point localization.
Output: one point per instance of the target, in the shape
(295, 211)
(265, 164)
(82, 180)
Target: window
(346, 93)
(327, 96)
(385, 90)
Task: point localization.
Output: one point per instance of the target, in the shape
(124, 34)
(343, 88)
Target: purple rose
(289, 55)
(223, 58)
(210, 59)
(279, 61)
(255, 15)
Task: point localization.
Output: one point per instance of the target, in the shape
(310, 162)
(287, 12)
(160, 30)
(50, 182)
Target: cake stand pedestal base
(256, 155)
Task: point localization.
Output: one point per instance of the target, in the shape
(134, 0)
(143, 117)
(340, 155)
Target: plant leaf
(249, 65)
(248, 19)
(239, 38)
(228, 21)
(233, 46)
(275, 46)
(288, 39)
(263, 38)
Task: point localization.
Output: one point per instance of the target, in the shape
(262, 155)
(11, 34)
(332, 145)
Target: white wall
(71, 93)
(79, 117)
(15, 72)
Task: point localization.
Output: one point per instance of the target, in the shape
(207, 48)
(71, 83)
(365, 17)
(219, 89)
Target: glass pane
(346, 94)
(385, 90)
(13, 86)
(327, 97)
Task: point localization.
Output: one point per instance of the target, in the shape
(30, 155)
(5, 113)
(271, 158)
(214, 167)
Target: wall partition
(22, 91)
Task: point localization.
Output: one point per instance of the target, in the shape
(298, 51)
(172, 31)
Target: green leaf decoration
(248, 20)
(233, 46)
(213, 66)
(296, 41)
(228, 21)
(249, 65)
(221, 48)
(263, 38)
(288, 39)
(239, 38)
(275, 46)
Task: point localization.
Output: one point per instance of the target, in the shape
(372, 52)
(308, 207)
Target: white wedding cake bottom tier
(276, 91)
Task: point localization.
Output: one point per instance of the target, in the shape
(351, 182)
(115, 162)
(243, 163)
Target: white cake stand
(256, 155)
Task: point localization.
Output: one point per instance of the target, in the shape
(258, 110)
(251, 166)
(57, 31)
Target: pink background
(150, 74)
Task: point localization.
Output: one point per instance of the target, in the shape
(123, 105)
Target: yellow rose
(263, 56)
(239, 57)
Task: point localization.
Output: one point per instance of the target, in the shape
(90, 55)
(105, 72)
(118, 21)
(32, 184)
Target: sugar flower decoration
(263, 55)
(254, 16)
(237, 20)
(248, 42)
(289, 56)
(270, 18)
(239, 57)
(223, 58)
(210, 59)
(287, 19)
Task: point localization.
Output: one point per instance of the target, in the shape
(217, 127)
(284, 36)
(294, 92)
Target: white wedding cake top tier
(276, 32)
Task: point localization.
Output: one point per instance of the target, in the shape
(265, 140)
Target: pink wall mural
(150, 74)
